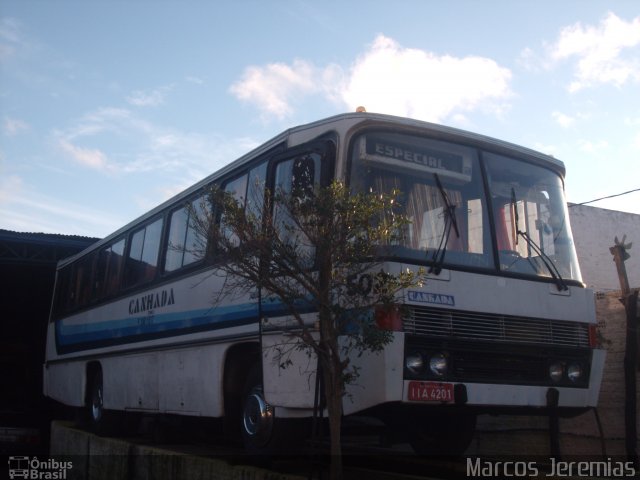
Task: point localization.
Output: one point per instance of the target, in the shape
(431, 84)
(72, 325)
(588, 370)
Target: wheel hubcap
(96, 404)
(257, 417)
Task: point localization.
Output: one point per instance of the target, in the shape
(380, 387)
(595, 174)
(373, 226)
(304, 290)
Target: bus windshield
(531, 219)
(441, 194)
(443, 197)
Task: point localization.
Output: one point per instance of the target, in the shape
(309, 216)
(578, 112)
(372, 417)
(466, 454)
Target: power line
(604, 198)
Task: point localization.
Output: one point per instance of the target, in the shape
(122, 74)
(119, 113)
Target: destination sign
(422, 158)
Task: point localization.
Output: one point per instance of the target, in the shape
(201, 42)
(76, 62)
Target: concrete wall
(99, 458)
(594, 230)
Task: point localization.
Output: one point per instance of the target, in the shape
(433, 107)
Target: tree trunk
(334, 411)
(332, 368)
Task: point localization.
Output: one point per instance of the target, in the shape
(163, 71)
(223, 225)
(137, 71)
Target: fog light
(414, 363)
(574, 372)
(556, 371)
(438, 364)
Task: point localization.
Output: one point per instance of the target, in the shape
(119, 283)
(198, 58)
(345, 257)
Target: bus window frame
(118, 281)
(214, 255)
(124, 285)
(203, 193)
(559, 175)
(327, 147)
(353, 144)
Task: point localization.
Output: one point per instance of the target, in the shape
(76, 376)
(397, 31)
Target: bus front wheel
(258, 417)
(262, 431)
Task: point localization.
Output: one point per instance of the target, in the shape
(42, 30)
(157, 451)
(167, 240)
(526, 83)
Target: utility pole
(630, 301)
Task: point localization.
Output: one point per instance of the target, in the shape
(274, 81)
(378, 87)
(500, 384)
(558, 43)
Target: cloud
(530, 60)
(195, 80)
(600, 51)
(13, 126)
(11, 184)
(420, 84)
(10, 37)
(149, 98)
(137, 145)
(89, 157)
(563, 120)
(589, 146)
(387, 78)
(273, 87)
(23, 208)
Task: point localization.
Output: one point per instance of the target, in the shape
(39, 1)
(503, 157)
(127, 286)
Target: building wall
(594, 231)
(612, 323)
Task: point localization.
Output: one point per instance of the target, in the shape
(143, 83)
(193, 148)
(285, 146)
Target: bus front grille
(436, 322)
(476, 361)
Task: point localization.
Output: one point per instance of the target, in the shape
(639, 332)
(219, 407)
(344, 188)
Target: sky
(109, 107)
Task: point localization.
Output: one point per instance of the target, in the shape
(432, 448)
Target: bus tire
(262, 431)
(447, 435)
(101, 421)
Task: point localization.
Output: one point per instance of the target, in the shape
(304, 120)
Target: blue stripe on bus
(139, 328)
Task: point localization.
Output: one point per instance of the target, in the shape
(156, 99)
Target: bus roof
(346, 122)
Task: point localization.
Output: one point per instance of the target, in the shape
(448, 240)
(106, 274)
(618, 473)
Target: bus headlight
(574, 372)
(438, 364)
(556, 371)
(414, 363)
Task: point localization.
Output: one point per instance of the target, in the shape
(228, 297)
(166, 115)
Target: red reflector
(388, 317)
(593, 336)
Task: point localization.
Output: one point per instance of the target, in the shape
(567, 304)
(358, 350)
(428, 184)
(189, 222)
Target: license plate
(431, 392)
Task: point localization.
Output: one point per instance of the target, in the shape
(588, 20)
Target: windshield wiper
(548, 262)
(450, 221)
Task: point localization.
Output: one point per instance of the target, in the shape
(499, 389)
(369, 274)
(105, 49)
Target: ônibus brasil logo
(33, 468)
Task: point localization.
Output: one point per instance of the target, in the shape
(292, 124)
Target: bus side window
(114, 268)
(303, 175)
(63, 291)
(238, 189)
(142, 262)
(174, 257)
(188, 234)
(81, 282)
(255, 191)
(108, 267)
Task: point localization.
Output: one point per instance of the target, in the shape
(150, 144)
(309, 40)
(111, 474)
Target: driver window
(297, 177)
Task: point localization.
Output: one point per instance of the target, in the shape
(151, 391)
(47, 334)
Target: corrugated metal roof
(45, 238)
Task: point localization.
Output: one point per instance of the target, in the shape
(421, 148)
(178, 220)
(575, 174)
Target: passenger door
(289, 373)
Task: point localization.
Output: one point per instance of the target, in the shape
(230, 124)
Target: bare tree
(318, 249)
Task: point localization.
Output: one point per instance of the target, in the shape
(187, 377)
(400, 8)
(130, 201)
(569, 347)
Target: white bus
(503, 322)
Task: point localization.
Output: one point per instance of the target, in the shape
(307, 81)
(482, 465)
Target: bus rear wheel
(101, 421)
(96, 404)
